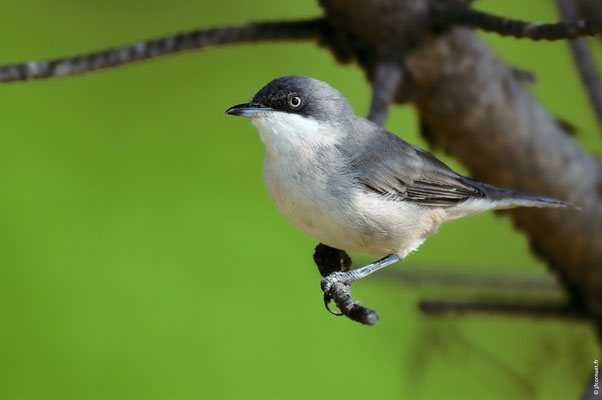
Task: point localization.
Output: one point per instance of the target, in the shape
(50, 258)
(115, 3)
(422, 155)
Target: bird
(354, 186)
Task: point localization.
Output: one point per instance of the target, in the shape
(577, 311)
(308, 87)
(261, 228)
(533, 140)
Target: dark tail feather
(508, 198)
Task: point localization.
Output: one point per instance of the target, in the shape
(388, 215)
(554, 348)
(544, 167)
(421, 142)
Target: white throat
(283, 132)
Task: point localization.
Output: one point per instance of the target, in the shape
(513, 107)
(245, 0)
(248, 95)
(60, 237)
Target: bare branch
(447, 15)
(341, 294)
(418, 276)
(547, 309)
(198, 39)
(584, 61)
(387, 78)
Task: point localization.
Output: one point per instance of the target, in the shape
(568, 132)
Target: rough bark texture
(478, 112)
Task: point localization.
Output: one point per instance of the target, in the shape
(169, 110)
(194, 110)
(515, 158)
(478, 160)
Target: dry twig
(198, 39)
(448, 14)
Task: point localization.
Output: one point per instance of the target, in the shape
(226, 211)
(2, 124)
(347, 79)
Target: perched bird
(354, 186)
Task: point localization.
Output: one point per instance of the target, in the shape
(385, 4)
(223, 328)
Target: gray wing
(394, 168)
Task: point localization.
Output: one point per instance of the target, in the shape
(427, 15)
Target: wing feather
(394, 168)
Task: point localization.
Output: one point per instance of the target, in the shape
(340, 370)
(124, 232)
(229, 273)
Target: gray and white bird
(354, 186)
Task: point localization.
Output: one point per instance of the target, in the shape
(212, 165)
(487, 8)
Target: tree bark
(477, 111)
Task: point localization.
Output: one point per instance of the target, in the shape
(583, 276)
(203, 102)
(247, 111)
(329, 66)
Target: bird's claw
(328, 282)
(327, 300)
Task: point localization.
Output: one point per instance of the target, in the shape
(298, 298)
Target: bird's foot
(334, 265)
(342, 279)
(337, 288)
(345, 278)
(327, 300)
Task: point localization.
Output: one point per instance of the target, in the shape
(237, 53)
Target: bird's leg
(329, 260)
(348, 277)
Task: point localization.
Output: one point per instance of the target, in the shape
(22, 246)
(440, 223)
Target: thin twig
(198, 39)
(387, 78)
(440, 276)
(584, 61)
(341, 294)
(549, 309)
(449, 14)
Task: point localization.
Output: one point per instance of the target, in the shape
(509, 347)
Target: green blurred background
(141, 257)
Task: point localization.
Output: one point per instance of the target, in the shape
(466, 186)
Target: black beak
(249, 110)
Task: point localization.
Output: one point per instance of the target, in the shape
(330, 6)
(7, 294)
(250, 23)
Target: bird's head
(296, 108)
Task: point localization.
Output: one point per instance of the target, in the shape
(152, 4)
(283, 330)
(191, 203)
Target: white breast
(297, 161)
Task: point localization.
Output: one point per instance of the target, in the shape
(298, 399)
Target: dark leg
(329, 260)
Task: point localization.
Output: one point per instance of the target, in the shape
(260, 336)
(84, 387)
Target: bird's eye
(294, 101)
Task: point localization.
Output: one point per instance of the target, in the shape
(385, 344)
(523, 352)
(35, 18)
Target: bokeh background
(141, 257)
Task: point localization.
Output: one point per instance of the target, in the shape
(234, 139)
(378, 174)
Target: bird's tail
(508, 198)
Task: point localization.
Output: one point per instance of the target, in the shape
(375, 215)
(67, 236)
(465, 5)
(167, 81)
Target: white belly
(357, 224)
(305, 200)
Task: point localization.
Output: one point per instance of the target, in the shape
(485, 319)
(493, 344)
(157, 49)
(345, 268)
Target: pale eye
(295, 101)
